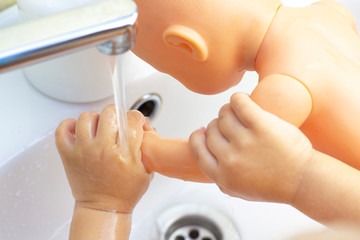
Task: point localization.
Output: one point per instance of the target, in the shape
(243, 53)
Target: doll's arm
(170, 157)
(341, 9)
(329, 191)
(285, 97)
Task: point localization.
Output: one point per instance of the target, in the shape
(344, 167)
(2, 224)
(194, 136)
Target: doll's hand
(100, 175)
(252, 154)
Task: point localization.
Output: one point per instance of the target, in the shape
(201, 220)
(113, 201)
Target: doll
(308, 61)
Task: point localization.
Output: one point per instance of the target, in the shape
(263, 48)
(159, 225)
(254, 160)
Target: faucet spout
(109, 24)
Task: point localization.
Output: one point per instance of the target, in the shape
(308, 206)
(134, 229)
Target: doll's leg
(170, 157)
(285, 97)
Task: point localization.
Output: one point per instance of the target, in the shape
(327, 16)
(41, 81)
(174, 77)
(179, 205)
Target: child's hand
(251, 153)
(100, 176)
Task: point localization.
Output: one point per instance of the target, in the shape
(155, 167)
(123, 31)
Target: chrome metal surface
(194, 228)
(49, 37)
(149, 105)
(120, 44)
(195, 222)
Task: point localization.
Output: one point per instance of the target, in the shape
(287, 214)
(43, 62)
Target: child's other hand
(100, 176)
(252, 154)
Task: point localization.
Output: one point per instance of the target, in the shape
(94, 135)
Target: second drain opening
(148, 105)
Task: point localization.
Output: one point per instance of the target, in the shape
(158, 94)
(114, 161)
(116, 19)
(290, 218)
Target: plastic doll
(308, 61)
(105, 183)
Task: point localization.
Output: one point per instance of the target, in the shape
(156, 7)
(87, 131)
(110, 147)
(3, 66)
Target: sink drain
(193, 228)
(195, 222)
(148, 105)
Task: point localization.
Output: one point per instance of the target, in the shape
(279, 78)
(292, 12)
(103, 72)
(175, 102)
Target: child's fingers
(247, 111)
(135, 128)
(228, 192)
(205, 160)
(215, 141)
(224, 109)
(107, 129)
(65, 135)
(147, 126)
(229, 124)
(86, 126)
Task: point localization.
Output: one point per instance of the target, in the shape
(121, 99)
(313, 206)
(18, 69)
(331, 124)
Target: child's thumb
(135, 128)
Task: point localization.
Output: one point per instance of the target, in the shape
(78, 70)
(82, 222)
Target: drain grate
(194, 222)
(192, 233)
(193, 227)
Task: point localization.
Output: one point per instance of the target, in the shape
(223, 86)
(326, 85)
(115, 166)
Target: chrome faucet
(110, 25)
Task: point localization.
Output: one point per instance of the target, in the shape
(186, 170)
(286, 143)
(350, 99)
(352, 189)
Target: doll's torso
(319, 47)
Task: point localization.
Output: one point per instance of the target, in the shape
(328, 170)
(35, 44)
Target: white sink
(36, 201)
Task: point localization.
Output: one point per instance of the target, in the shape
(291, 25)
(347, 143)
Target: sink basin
(36, 201)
